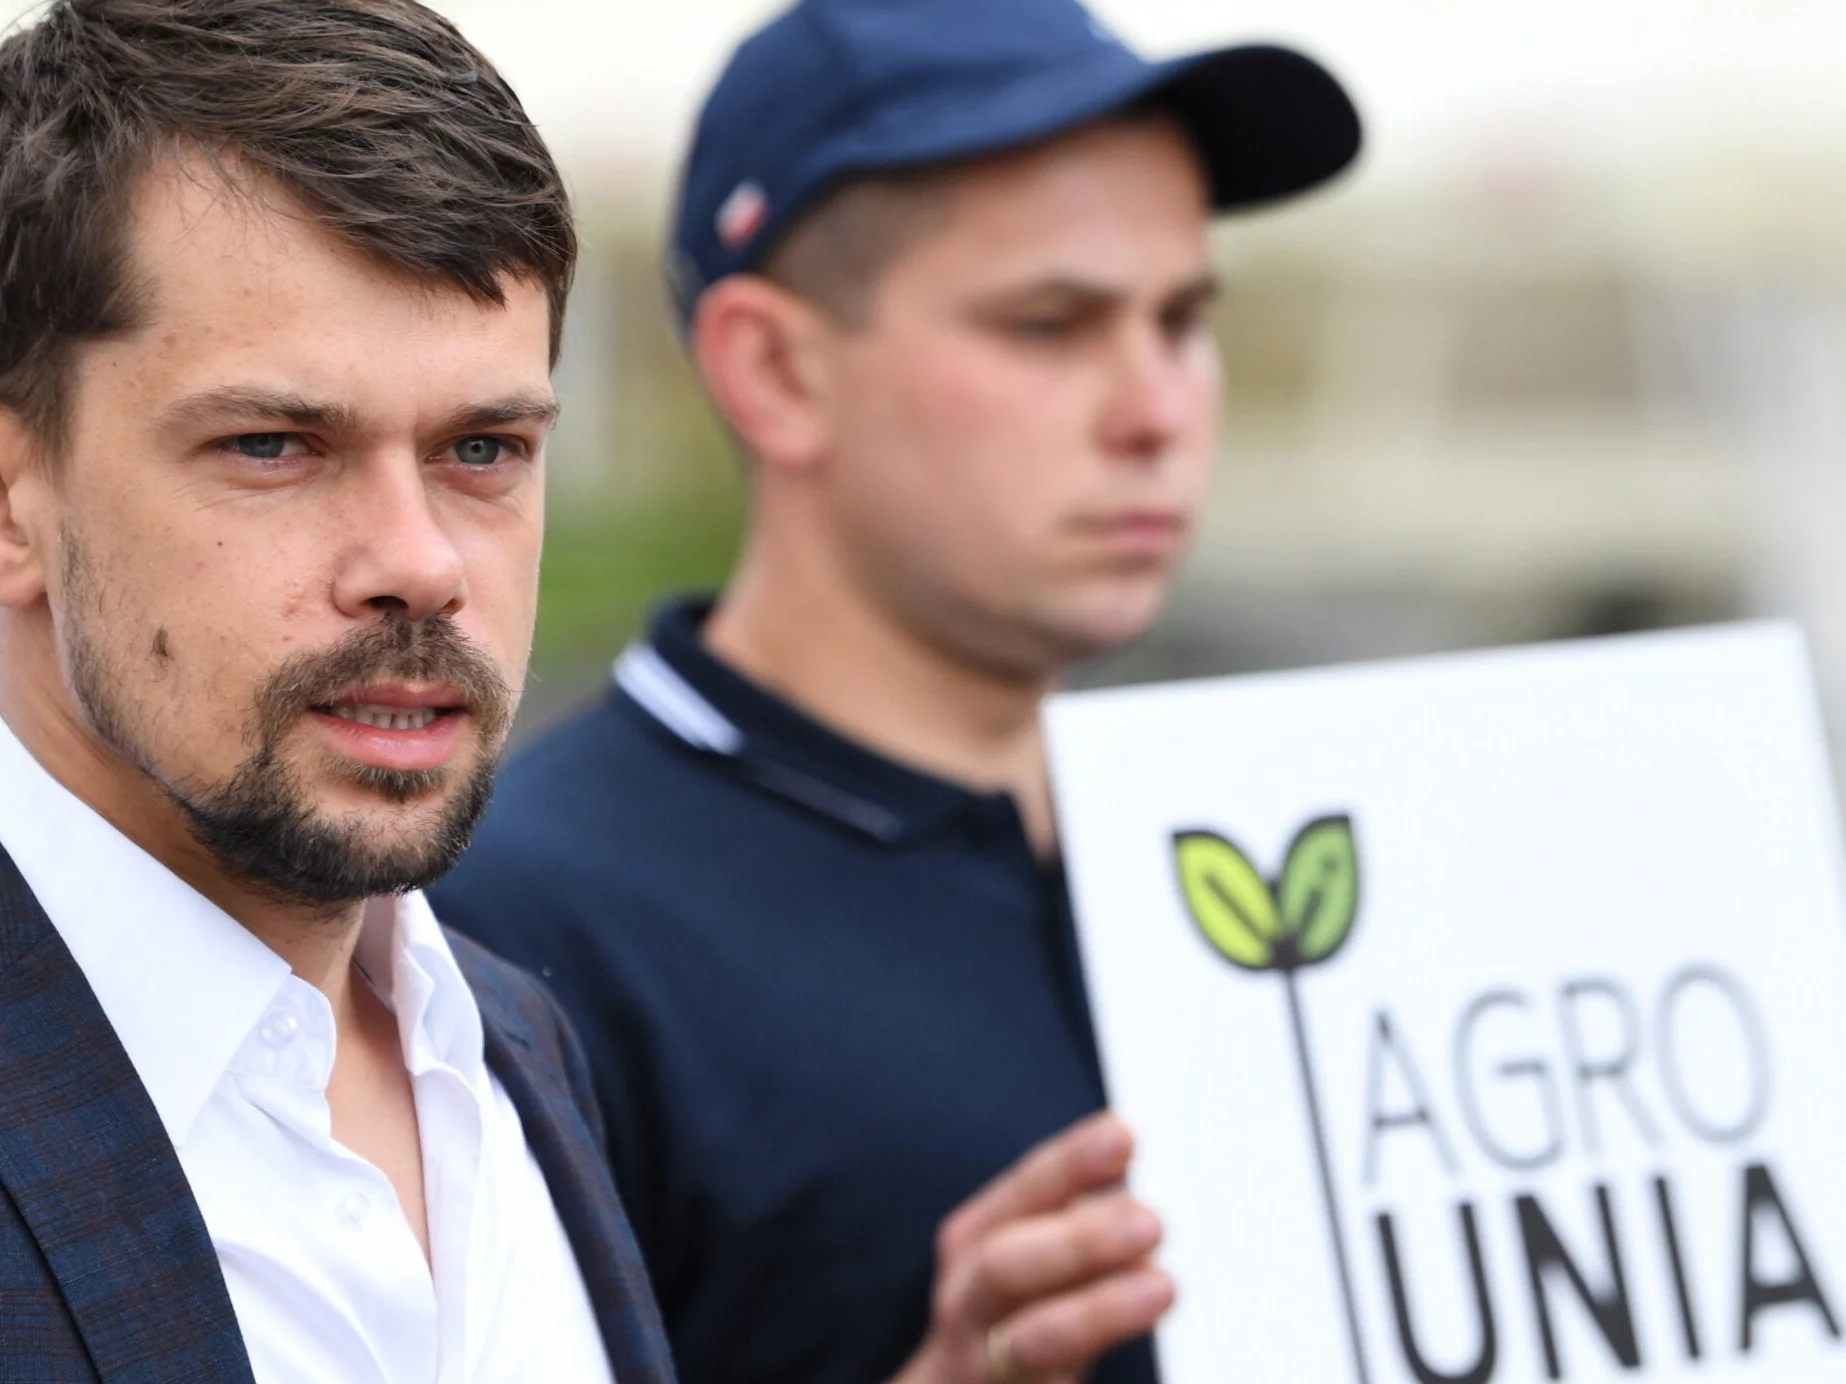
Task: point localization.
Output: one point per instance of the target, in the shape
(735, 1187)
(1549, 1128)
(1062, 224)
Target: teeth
(385, 717)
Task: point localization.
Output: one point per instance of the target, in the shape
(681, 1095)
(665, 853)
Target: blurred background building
(1566, 355)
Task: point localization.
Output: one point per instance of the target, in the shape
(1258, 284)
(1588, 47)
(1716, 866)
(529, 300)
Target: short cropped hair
(376, 116)
(836, 253)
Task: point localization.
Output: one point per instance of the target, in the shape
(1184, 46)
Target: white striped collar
(666, 696)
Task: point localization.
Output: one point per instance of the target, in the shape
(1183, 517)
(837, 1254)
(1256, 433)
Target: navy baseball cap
(833, 88)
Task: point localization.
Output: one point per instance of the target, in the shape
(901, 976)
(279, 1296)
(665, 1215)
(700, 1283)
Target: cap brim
(1269, 122)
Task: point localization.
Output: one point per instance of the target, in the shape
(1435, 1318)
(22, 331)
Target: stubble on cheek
(82, 613)
(136, 676)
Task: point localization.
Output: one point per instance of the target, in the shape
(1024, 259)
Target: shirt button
(354, 1209)
(279, 1030)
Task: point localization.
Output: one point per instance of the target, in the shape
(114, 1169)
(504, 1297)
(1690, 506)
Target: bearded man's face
(297, 519)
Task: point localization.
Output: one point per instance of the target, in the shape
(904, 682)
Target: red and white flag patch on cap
(742, 215)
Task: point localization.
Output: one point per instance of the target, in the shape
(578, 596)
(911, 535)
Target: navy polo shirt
(825, 998)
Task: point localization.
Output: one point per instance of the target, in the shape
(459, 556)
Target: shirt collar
(182, 983)
(403, 948)
(712, 708)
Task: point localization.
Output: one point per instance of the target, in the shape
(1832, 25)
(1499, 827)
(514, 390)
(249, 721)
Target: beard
(263, 825)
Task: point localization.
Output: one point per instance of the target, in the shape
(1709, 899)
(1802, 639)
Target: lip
(1138, 532)
(411, 750)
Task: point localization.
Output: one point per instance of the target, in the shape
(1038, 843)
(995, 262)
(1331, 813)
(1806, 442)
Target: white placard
(1556, 1091)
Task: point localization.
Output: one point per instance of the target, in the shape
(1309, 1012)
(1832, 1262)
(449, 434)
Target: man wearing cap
(944, 268)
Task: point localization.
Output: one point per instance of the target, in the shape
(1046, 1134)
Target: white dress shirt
(328, 1281)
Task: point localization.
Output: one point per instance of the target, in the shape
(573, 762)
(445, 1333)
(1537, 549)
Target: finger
(1067, 1333)
(1003, 1369)
(1091, 1154)
(1035, 1258)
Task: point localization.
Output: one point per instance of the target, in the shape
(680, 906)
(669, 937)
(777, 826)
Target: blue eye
(262, 446)
(479, 451)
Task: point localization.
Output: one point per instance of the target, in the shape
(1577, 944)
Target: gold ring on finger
(1000, 1362)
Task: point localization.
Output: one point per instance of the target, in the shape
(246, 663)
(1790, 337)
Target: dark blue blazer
(106, 1270)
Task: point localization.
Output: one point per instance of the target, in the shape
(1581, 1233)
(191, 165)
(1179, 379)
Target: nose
(1159, 396)
(400, 559)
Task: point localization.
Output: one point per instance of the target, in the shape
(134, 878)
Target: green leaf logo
(1230, 901)
(1320, 888)
(1302, 920)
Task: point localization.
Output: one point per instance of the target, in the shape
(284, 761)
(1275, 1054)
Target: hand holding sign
(1044, 1269)
(1567, 1105)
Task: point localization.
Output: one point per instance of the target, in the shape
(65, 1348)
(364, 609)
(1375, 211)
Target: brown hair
(375, 115)
(836, 253)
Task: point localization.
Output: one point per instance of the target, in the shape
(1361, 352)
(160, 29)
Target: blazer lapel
(86, 1161)
(559, 1133)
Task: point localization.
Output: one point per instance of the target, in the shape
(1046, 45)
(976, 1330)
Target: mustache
(394, 650)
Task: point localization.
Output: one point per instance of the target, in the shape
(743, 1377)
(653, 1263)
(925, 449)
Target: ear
(25, 512)
(762, 351)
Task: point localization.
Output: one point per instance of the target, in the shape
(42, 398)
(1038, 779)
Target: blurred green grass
(646, 490)
(608, 560)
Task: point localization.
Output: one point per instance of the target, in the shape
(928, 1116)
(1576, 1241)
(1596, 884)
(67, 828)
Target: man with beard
(280, 289)
(945, 269)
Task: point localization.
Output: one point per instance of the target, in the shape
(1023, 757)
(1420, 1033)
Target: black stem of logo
(1312, 1091)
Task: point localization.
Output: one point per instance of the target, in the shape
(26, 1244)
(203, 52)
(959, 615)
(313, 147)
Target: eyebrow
(1206, 288)
(1202, 288)
(245, 402)
(233, 403)
(519, 408)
